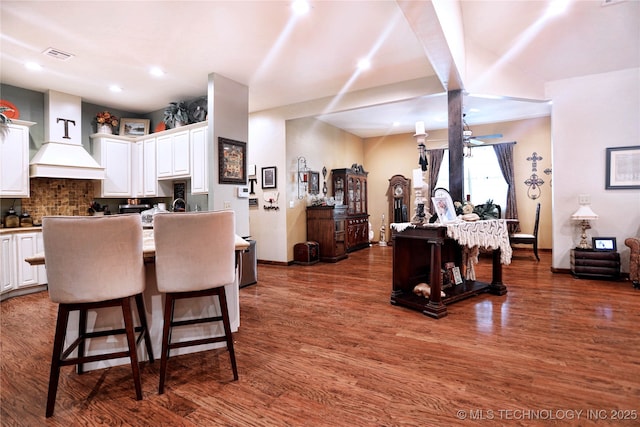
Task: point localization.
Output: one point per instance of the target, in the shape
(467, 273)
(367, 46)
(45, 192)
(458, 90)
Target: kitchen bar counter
(154, 306)
(148, 246)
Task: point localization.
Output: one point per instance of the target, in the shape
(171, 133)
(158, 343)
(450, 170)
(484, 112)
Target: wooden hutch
(350, 186)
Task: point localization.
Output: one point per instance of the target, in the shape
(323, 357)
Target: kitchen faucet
(179, 205)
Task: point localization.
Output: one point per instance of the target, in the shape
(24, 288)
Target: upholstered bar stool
(195, 257)
(94, 262)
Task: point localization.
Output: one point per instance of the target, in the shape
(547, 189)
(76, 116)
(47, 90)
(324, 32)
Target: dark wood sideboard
(326, 225)
(419, 255)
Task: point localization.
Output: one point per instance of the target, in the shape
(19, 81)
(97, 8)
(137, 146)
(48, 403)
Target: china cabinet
(350, 189)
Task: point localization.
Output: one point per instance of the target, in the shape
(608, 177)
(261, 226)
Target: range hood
(62, 154)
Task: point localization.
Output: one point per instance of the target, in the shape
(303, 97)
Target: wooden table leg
(497, 287)
(435, 307)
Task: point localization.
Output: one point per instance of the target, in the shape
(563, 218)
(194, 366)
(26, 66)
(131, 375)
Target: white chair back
(194, 250)
(91, 258)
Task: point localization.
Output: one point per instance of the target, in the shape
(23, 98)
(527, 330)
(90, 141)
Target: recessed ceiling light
(33, 66)
(115, 88)
(300, 7)
(364, 64)
(156, 71)
(396, 124)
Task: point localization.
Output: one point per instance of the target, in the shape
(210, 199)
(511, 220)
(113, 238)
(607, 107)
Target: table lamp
(584, 214)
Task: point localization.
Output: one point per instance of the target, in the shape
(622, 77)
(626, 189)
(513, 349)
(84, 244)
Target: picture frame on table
(622, 170)
(604, 244)
(269, 177)
(444, 208)
(134, 127)
(232, 161)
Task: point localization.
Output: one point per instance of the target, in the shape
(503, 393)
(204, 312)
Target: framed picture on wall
(232, 161)
(269, 177)
(314, 182)
(622, 168)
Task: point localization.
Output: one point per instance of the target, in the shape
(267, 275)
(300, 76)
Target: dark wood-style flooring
(320, 345)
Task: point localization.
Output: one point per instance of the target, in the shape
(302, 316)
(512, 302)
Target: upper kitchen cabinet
(173, 154)
(114, 154)
(199, 163)
(14, 159)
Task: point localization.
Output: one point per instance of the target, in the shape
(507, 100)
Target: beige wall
(398, 154)
(321, 145)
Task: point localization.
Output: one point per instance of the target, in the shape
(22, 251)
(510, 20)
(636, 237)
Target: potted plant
(176, 114)
(3, 118)
(105, 122)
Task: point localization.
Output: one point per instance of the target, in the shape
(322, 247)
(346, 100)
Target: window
(483, 179)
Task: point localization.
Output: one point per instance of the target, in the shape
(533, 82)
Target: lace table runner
(489, 234)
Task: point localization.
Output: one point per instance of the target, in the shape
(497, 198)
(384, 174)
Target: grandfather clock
(399, 196)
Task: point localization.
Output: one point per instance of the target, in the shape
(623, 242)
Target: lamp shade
(584, 212)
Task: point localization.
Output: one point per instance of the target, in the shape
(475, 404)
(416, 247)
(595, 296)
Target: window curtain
(435, 160)
(504, 153)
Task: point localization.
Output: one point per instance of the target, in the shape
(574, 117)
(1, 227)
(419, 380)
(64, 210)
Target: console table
(420, 251)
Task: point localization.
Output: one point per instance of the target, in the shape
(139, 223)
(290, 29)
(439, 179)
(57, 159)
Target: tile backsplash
(57, 196)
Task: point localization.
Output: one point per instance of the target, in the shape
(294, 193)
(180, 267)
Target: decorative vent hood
(62, 154)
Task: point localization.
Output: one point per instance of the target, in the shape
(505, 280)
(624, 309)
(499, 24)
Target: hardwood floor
(320, 345)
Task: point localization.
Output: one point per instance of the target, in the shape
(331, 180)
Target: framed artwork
(232, 161)
(623, 168)
(444, 208)
(134, 127)
(314, 182)
(269, 177)
(607, 244)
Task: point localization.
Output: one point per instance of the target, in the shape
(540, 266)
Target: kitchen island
(154, 306)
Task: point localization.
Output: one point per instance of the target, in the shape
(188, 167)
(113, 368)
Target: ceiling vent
(610, 2)
(58, 54)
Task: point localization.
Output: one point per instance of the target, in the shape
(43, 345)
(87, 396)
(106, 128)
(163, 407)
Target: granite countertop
(5, 230)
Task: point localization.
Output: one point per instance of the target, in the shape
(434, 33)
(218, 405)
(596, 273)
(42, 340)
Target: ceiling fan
(468, 138)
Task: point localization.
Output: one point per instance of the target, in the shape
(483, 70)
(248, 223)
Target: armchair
(634, 260)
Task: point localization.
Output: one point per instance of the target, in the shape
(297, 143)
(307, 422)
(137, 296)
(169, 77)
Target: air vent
(58, 54)
(610, 2)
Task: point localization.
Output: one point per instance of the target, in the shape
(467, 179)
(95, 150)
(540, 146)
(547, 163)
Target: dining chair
(528, 239)
(92, 263)
(195, 258)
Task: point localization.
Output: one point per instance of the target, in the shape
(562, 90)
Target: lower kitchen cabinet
(19, 277)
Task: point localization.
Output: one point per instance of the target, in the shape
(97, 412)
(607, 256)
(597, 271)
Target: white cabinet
(26, 246)
(17, 274)
(8, 270)
(14, 159)
(114, 154)
(199, 163)
(137, 169)
(150, 185)
(173, 155)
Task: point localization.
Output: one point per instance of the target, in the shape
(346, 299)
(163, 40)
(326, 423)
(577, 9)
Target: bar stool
(94, 262)
(195, 257)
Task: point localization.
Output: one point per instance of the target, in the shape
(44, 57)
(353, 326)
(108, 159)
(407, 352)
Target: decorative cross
(534, 159)
(534, 182)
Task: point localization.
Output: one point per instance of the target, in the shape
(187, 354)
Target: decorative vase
(105, 129)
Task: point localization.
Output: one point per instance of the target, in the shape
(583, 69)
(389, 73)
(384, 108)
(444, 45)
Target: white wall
(589, 114)
(268, 148)
(228, 118)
